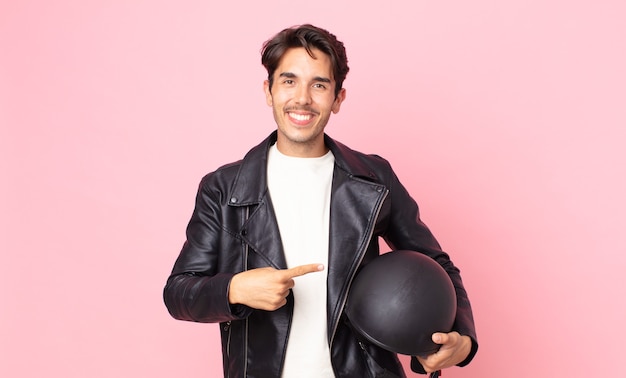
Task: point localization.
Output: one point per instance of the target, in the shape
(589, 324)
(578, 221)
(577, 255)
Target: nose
(302, 95)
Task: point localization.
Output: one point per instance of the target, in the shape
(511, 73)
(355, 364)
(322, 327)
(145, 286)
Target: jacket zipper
(228, 328)
(245, 268)
(362, 255)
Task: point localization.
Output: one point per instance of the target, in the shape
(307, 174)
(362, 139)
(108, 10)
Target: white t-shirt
(300, 191)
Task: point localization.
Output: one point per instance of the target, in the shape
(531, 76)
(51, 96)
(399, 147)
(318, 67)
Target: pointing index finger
(301, 270)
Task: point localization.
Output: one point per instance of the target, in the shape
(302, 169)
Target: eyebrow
(291, 75)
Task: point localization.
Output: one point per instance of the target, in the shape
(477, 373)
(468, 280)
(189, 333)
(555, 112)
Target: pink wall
(506, 120)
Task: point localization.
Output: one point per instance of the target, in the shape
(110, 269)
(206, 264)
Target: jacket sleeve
(406, 231)
(197, 290)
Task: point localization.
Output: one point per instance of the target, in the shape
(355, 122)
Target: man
(276, 239)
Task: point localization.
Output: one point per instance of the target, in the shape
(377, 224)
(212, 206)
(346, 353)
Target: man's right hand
(266, 288)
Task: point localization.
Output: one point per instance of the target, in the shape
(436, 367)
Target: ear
(338, 100)
(268, 93)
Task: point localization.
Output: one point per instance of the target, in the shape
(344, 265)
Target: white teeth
(300, 117)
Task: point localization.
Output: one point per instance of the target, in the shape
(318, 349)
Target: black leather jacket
(233, 228)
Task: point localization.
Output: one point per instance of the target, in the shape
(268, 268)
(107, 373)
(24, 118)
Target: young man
(276, 239)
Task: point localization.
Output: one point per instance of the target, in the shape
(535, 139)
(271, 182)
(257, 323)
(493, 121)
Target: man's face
(302, 97)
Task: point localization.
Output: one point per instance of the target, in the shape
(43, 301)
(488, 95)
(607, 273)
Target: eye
(288, 81)
(319, 86)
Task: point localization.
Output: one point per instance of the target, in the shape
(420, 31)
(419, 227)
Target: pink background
(505, 119)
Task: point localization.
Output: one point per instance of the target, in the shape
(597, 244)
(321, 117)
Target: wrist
(472, 348)
(232, 291)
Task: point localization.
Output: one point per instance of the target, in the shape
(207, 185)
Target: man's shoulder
(354, 159)
(226, 171)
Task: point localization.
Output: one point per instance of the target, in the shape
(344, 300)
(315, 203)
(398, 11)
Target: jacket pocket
(375, 370)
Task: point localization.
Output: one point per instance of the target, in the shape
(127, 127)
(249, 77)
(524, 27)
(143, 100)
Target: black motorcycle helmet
(399, 300)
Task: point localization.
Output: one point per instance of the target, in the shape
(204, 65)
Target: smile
(300, 117)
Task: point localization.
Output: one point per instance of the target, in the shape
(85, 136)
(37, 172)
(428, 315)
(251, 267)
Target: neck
(303, 150)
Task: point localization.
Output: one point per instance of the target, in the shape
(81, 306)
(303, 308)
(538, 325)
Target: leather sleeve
(197, 289)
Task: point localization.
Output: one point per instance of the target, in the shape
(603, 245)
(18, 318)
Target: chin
(298, 136)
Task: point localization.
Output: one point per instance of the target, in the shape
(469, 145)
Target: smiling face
(302, 97)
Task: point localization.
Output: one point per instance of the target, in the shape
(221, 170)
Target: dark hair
(309, 37)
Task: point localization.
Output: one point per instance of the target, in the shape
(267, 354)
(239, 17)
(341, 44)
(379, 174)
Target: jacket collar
(251, 181)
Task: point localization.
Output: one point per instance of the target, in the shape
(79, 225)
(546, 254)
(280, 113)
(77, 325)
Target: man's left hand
(454, 350)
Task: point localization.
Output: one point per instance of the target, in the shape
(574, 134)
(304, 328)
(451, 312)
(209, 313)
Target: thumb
(439, 338)
(304, 269)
